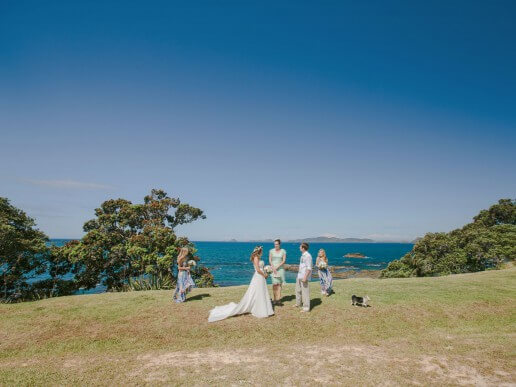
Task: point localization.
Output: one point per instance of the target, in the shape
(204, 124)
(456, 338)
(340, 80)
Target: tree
(22, 250)
(127, 241)
(486, 242)
(502, 213)
(58, 279)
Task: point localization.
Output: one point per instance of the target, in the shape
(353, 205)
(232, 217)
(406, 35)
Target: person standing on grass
(277, 257)
(184, 279)
(256, 299)
(325, 277)
(303, 276)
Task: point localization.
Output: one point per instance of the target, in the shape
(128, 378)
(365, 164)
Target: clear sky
(382, 119)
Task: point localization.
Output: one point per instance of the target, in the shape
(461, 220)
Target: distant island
(323, 239)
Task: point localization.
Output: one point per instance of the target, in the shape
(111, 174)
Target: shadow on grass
(315, 302)
(198, 297)
(288, 298)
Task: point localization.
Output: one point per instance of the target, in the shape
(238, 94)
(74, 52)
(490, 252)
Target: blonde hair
(183, 252)
(322, 254)
(258, 250)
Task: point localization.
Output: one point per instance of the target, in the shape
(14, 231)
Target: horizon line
(270, 241)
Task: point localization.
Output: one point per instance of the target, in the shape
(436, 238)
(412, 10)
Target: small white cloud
(68, 184)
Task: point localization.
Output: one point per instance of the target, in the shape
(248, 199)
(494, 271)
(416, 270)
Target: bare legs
(276, 292)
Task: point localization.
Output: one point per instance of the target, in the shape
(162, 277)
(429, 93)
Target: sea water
(230, 265)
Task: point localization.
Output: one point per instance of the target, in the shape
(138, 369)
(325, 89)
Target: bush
(202, 277)
(133, 246)
(22, 252)
(126, 247)
(485, 243)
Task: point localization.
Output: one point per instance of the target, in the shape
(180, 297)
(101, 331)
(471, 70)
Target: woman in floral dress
(184, 279)
(325, 277)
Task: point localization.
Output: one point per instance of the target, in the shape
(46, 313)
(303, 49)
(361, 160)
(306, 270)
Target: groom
(303, 275)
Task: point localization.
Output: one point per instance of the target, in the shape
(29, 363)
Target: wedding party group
(257, 300)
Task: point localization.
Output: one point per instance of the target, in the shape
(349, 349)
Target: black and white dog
(360, 301)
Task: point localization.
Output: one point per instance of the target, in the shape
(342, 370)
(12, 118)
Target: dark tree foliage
(129, 242)
(202, 277)
(60, 269)
(126, 246)
(485, 243)
(22, 251)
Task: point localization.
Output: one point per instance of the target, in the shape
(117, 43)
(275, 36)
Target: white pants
(302, 293)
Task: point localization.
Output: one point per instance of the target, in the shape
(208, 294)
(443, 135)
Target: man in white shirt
(303, 276)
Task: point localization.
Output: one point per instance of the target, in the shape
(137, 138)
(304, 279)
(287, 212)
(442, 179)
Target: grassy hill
(454, 330)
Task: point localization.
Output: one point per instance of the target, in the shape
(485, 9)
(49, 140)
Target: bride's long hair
(258, 250)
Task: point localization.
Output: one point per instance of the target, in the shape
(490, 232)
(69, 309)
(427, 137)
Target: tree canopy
(486, 242)
(22, 249)
(126, 241)
(126, 246)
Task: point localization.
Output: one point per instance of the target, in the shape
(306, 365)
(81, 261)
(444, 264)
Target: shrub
(485, 243)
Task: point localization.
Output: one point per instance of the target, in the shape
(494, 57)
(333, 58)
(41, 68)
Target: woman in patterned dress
(325, 277)
(184, 279)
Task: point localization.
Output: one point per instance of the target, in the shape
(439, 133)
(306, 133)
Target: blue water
(230, 265)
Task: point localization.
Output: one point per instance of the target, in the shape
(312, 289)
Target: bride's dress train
(256, 301)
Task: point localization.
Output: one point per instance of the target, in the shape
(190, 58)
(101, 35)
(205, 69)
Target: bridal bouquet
(191, 262)
(268, 269)
(322, 265)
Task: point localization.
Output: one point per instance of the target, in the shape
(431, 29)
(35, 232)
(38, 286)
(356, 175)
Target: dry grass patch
(447, 330)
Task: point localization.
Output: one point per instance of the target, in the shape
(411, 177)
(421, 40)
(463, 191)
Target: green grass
(447, 330)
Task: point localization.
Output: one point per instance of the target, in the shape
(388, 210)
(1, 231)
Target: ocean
(230, 265)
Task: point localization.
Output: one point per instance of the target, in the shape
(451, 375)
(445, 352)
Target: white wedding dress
(256, 301)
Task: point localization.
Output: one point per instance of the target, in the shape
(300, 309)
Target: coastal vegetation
(487, 242)
(126, 247)
(450, 330)
(22, 249)
(134, 246)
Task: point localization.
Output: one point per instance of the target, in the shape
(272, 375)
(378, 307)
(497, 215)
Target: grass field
(430, 331)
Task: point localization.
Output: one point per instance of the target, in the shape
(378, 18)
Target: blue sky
(382, 119)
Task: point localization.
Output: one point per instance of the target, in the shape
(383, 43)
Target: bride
(256, 299)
